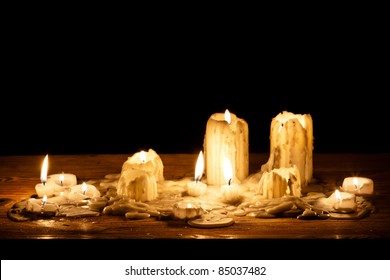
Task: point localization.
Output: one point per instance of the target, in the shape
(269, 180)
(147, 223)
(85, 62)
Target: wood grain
(19, 174)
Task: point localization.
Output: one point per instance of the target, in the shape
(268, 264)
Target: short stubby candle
(280, 182)
(196, 187)
(291, 143)
(343, 201)
(82, 192)
(63, 179)
(358, 185)
(148, 161)
(227, 136)
(230, 191)
(137, 184)
(185, 210)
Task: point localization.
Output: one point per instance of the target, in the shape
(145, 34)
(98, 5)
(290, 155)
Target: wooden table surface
(20, 174)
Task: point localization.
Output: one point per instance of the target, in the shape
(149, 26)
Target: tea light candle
(41, 206)
(63, 179)
(344, 201)
(197, 188)
(230, 191)
(82, 192)
(226, 136)
(291, 143)
(358, 185)
(148, 161)
(45, 187)
(137, 184)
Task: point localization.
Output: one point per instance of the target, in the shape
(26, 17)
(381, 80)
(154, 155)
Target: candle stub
(148, 161)
(280, 182)
(186, 210)
(358, 185)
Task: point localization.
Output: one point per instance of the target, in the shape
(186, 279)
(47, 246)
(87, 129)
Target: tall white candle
(291, 143)
(227, 136)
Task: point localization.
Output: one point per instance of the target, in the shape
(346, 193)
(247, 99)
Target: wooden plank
(19, 174)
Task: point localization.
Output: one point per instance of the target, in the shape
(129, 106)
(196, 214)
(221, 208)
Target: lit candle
(344, 201)
(358, 185)
(226, 137)
(148, 161)
(82, 192)
(197, 188)
(45, 187)
(41, 206)
(63, 179)
(230, 191)
(137, 184)
(291, 143)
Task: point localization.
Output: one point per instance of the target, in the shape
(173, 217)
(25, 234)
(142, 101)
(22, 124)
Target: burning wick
(43, 202)
(62, 179)
(84, 188)
(355, 184)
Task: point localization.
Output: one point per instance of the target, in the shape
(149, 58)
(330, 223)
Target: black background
(99, 110)
(100, 88)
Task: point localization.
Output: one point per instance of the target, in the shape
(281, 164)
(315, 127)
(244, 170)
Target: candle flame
(44, 169)
(84, 187)
(227, 170)
(228, 118)
(288, 190)
(199, 167)
(142, 156)
(62, 178)
(355, 182)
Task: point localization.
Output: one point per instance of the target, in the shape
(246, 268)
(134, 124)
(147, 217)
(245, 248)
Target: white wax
(280, 182)
(49, 189)
(230, 193)
(358, 185)
(148, 161)
(291, 143)
(186, 210)
(226, 140)
(342, 200)
(82, 191)
(56, 184)
(137, 184)
(63, 179)
(37, 206)
(196, 188)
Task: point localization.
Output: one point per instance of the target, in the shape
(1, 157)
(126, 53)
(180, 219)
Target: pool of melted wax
(214, 211)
